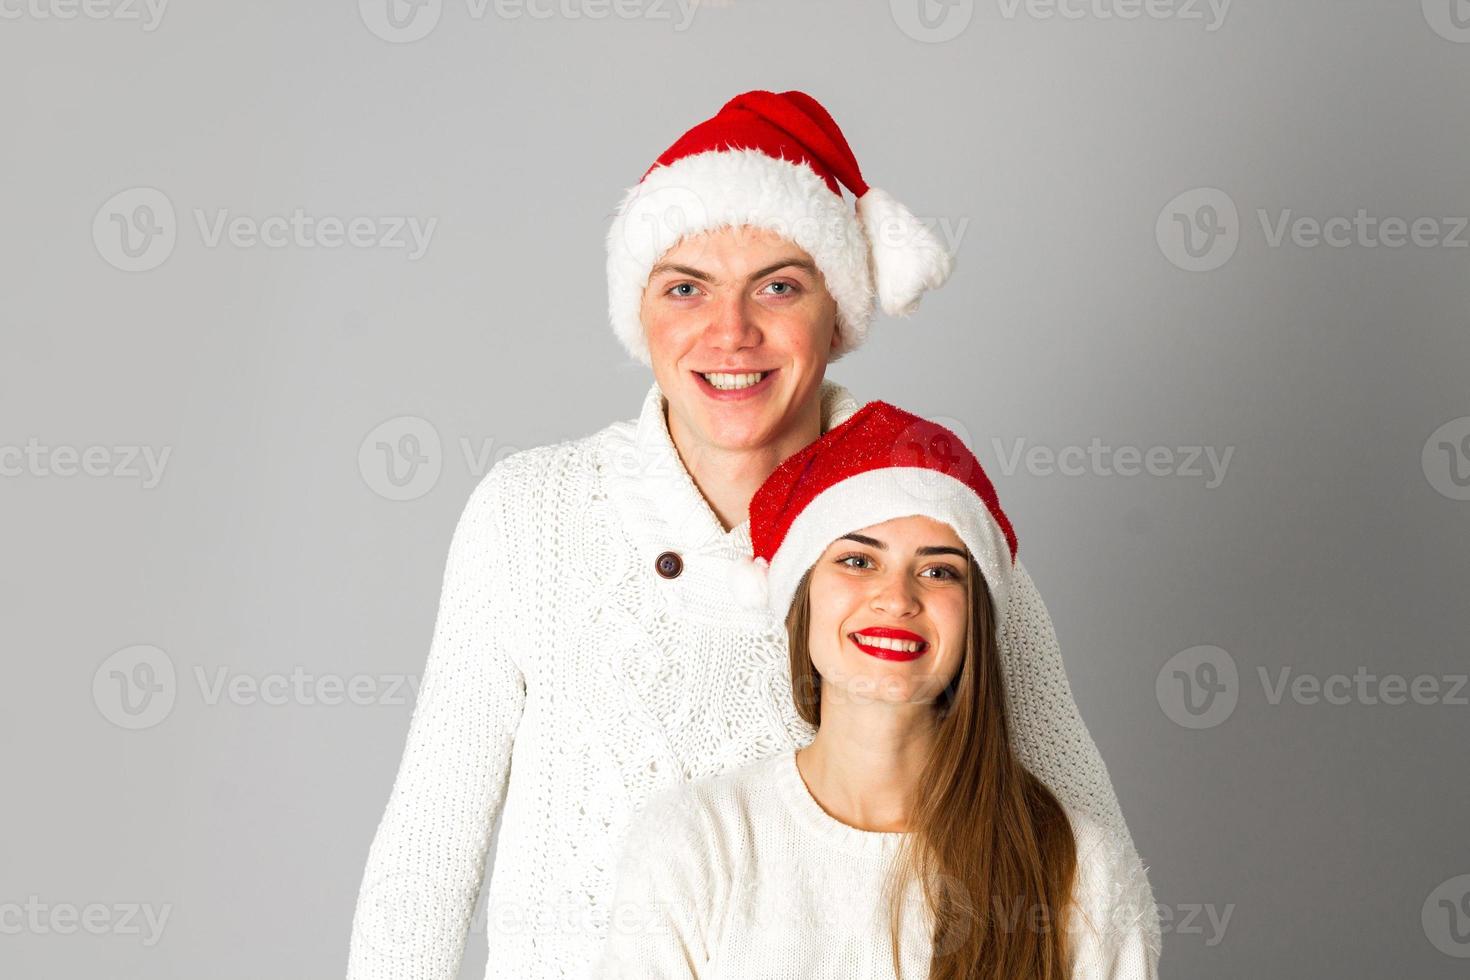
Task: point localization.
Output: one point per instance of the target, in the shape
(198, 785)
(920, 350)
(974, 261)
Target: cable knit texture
(745, 876)
(567, 682)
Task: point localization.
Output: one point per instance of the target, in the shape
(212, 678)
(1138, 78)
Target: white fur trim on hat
(736, 187)
(881, 495)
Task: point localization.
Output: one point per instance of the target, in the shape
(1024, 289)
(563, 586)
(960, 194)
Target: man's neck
(729, 478)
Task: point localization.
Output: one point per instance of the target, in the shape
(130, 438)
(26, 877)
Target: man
(589, 647)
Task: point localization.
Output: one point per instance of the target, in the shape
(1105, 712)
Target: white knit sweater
(745, 876)
(567, 681)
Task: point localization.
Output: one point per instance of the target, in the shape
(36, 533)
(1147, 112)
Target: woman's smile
(887, 643)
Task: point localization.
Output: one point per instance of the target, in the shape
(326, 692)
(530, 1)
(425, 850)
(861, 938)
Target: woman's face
(904, 578)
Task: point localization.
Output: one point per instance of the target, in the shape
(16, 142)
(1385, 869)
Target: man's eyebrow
(693, 273)
(926, 550)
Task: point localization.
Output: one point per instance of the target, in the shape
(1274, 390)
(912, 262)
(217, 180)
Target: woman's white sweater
(568, 680)
(745, 877)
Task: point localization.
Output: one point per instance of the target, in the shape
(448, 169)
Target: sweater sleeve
(427, 859)
(1050, 737)
(1110, 935)
(659, 921)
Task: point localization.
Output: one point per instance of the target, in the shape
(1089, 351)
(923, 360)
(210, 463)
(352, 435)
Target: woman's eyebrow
(926, 550)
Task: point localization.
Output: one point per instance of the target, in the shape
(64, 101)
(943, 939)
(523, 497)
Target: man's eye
(682, 285)
(788, 288)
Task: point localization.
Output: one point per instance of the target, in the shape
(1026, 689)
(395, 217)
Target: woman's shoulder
(1111, 891)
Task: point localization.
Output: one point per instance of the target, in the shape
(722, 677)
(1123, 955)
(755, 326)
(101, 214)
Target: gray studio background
(209, 658)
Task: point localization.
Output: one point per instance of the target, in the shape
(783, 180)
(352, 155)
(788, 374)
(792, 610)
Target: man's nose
(731, 324)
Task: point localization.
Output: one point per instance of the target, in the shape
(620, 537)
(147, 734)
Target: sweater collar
(683, 506)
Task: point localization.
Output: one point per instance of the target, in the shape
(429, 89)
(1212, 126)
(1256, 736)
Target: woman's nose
(895, 596)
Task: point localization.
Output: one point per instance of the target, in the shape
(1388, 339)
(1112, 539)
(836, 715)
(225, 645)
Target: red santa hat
(879, 464)
(773, 161)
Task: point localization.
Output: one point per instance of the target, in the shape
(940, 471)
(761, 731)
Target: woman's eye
(847, 558)
(948, 573)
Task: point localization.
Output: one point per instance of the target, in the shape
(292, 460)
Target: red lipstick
(888, 632)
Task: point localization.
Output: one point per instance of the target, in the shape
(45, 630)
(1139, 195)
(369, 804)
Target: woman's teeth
(884, 643)
(730, 382)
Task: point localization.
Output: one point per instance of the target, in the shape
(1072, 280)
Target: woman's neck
(863, 770)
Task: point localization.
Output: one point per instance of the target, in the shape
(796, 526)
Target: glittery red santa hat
(879, 464)
(779, 162)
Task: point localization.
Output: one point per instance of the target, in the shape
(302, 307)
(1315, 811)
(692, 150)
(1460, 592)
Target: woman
(907, 839)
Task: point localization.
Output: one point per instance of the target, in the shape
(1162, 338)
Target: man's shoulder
(523, 475)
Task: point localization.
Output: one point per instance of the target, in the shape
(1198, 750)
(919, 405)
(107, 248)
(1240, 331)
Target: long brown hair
(990, 845)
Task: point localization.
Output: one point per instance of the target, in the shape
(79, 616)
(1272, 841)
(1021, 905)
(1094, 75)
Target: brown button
(669, 564)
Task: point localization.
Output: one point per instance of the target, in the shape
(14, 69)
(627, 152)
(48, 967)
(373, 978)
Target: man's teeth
(885, 643)
(729, 382)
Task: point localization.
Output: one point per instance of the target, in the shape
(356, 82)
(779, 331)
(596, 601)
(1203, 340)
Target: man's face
(738, 301)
